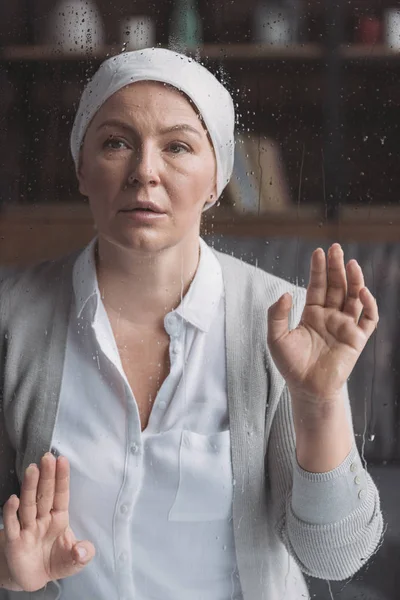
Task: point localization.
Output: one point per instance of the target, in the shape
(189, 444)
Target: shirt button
(134, 448)
(122, 557)
(162, 404)
(353, 467)
(362, 494)
(124, 509)
(169, 321)
(357, 480)
(171, 324)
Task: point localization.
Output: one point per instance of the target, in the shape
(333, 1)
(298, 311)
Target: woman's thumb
(278, 318)
(82, 553)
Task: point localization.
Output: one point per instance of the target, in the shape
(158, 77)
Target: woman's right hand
(39, 545)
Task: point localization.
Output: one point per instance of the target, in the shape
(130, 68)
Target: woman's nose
(145, 169)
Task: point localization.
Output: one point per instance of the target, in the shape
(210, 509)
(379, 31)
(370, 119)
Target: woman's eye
(178, 148)
(115, 144)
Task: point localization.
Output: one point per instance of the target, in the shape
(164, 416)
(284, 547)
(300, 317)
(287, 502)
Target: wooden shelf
(211, 51)
(50, 53)
(227, 52)
(307, 213)
(263, 51)
(369, 53)
(29, 234)
(362, 224)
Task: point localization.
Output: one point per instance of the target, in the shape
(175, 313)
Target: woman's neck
(141, 288)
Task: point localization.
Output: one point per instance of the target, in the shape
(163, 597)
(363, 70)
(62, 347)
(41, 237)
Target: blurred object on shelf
(276, 22)
(75, 26)
(137, 32)
(115, 13)
(186, 27)
(368, 29)
(392, 28)
(259, 183)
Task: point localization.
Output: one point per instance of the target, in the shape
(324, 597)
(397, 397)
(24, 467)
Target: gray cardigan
(283, 517)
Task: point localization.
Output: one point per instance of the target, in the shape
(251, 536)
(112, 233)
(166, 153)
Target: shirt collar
(84, 279)
(197, 307)
(205, 292)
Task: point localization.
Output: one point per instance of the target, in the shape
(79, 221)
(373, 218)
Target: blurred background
(316, 84)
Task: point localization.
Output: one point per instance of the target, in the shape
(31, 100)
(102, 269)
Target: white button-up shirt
(156, 504)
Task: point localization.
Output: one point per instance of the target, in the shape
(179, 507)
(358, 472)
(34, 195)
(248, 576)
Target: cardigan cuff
(323, 498)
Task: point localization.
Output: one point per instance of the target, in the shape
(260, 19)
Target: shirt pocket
(205, 478)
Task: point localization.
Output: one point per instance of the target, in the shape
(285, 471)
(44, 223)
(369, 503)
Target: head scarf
(211, 98)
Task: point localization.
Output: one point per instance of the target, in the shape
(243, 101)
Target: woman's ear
(81, 177)
(213, 194)
(210, 201)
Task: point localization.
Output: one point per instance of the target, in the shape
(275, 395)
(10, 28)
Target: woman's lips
(142, 215)
(143, 204)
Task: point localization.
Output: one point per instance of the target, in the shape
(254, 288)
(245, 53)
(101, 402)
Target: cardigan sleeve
(331, 523)
(323, 498)
(8, 479)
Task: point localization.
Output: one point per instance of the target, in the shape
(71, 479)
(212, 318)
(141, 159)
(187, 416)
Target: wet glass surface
(315, 86)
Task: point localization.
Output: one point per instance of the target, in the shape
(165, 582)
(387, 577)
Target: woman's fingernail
(82, 552)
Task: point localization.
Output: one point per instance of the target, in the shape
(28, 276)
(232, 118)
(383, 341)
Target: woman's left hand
(340, 315)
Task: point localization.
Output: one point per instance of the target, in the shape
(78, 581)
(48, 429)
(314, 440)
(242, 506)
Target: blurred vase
(275, 23)
(392, 28)
(186, 28)
(76, 26)
(138, 32)
(368, 30)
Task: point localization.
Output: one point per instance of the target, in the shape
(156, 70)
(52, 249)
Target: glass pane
(203, 461)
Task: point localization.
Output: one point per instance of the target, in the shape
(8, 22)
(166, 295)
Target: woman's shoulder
(251, 290)
(241, 271)
(28, 284)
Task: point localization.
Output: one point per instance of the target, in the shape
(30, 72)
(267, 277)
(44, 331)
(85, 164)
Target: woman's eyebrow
(173, 128)
(181, 127)
(114, 123)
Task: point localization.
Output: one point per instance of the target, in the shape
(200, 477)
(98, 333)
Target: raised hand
(39, 545)
(317, 357)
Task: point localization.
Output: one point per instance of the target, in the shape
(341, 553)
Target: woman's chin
(145, 241)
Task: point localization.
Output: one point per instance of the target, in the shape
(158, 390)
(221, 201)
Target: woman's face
(146, 148)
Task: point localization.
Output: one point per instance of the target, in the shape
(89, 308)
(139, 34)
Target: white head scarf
(210, 97)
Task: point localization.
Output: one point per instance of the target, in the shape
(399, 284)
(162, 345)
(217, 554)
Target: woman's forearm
(6, 581)
(323, 434)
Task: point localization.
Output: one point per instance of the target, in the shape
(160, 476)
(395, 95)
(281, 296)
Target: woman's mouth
(142, 215)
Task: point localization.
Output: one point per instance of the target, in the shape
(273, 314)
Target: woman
(204, 444)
